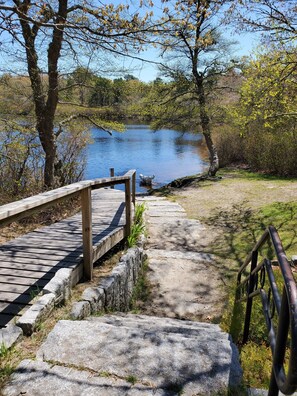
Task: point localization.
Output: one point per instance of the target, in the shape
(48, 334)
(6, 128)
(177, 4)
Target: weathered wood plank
(35, 257)
(12, 265)
(61, 252)
(15, 273)
(27, 205)
(86, 206)
(128, 207)
(23, 299)
(28, 262)
(17, 290)
(107, 243)
(5, 318)
(10, 308)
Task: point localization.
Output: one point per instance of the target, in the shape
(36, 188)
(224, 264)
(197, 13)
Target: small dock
(29, 262)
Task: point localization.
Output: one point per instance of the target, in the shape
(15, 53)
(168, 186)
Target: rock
(42, 379)
(80, 310)
(10, 335)
(34, 315)
(95, 296)
(166, 353)
(60, 285)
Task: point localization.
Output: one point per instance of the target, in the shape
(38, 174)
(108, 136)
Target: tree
(103, 93)
(195, 57)
(266, 113)
(275, 19)
(80, 81)
(46, 31)
(268, 96)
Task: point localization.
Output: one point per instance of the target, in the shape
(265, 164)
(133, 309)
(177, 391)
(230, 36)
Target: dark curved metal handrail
(285, 305)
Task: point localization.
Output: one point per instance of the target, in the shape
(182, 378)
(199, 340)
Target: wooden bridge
(29, 262)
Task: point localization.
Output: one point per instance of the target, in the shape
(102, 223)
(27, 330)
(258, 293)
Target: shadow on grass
(241, 227)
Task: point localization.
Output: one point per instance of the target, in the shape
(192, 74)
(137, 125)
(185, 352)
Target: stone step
(130, 355)
(263, 392)
(161, 324)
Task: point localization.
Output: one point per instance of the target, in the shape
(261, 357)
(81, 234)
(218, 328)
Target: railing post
(111, 172)
(86, 206)
(128, 206)
(133, 187)
(249, 303)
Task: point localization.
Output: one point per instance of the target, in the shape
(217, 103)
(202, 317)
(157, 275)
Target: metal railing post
(249, 303)
(86, 207)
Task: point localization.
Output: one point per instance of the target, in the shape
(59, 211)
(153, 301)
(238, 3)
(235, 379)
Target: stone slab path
(129, 355)
(151, 354)
(186, 281)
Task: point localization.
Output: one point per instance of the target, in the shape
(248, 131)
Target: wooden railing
(20, 209)
(283, 305)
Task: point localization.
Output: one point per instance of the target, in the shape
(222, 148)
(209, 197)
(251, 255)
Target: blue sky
(146, 71)
(247, 42)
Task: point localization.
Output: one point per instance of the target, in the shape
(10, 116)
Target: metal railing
(285, 306)
(20, 209)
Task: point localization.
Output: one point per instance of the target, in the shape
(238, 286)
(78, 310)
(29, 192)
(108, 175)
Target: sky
(147, 72)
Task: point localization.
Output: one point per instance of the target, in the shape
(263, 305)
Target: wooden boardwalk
(29, 262)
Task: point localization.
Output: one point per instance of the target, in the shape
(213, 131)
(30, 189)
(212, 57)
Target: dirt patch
(201, 199)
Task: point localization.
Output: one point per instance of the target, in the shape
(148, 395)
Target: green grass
(132, 379)
(243, 227)
(138, 225)
(7, 363)
(248, 175)
(141, 290)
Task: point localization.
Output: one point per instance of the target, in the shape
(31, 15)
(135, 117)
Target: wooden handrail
(24, 207)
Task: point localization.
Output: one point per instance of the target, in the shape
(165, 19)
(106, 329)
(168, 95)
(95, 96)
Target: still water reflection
(167, 154)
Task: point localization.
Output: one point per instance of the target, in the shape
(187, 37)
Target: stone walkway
(186, 282)
(152, 354)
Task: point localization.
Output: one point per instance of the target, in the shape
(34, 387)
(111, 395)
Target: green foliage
(6, 363)
(103, 93)
(132, 379)
(243, 227)
(264, 121)
(136, 231)
(139, 212)
(3, 351)
(256, 364)
(141, 290)
(138, 226)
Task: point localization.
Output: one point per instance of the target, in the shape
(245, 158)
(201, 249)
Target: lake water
(167, 154)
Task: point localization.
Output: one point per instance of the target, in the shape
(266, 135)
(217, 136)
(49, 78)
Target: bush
(265, 151)
(229, 145)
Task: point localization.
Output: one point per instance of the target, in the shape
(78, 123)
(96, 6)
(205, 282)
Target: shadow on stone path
(152, 354)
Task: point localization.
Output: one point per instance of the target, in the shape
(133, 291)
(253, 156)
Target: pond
(166, 153)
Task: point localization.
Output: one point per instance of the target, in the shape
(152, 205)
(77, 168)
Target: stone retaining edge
(113, 293)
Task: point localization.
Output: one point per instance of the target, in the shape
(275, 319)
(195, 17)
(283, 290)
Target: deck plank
(28, 262)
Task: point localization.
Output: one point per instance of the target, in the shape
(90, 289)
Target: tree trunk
(213, 155)
(45, 107)
(205, 124)
(48, 142)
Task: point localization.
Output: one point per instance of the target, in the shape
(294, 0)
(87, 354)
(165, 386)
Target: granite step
(130, 355)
